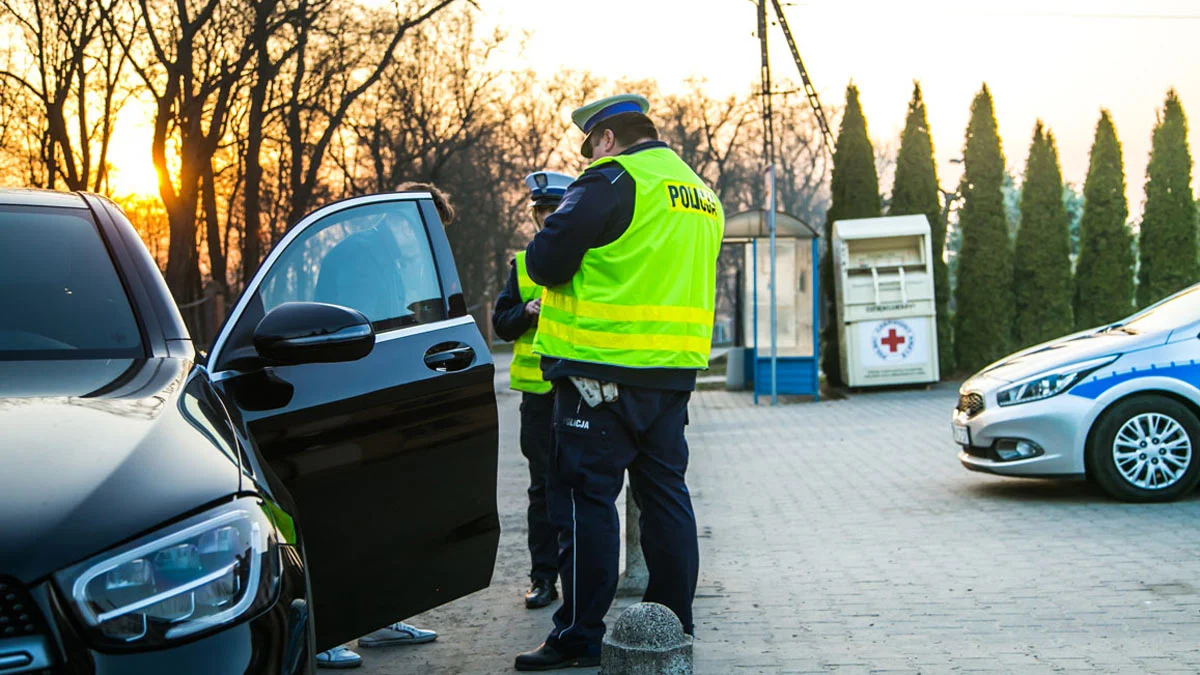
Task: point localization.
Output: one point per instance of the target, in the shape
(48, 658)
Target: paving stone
(845, 533)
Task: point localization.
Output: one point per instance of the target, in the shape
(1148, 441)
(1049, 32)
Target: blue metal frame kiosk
(796, 362)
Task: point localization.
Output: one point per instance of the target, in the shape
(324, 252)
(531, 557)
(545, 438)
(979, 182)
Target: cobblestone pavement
(843, 536)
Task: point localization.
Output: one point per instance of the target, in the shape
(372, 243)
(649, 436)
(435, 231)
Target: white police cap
(588, 116)
(547, 187)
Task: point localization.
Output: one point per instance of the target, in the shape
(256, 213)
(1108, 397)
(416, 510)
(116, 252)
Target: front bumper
(1058, 425)
(276, 641)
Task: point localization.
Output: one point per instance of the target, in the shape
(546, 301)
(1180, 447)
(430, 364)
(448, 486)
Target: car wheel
(1144, 449)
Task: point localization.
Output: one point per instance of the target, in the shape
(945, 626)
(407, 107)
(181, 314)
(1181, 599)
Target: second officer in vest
(515, 318)
(629, 263)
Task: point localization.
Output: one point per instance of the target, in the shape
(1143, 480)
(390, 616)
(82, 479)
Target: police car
(1118, 404)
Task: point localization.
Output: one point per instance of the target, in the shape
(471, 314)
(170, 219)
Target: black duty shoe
(541, 593)
(546, 657)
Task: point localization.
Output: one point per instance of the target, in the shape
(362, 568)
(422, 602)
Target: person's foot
(546, 657)
(541, 593)
(397, 634)
(339, 658)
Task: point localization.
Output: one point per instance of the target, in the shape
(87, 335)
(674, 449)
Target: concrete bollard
(647, 639)
(636, 577)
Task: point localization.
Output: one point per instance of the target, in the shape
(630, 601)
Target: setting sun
(132, 168)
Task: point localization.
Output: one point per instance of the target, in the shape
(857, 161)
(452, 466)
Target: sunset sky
(1058, 60)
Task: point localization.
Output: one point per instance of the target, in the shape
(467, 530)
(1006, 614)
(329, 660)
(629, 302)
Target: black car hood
(93, 453)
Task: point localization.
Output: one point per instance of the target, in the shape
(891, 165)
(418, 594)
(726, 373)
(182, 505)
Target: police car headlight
(192, 577)
(1050, 383)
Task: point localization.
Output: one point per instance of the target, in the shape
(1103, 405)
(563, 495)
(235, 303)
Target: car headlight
(196, 575)
(1050, 383)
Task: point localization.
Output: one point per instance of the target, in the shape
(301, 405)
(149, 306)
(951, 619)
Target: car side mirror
(313, 332)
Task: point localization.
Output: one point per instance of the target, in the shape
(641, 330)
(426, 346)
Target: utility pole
(769, 152)
(768, 112)
(809, 90)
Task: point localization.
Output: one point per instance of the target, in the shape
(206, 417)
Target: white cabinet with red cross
(883, 281)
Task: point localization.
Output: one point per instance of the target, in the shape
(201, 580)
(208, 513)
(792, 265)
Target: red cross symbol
(893, 340)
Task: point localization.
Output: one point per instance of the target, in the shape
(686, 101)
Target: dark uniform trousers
(537, 442)
(641, 432)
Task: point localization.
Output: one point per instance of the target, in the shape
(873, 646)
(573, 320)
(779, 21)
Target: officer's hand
(533, 307)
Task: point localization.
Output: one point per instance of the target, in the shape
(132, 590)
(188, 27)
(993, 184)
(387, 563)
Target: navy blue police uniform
(641, 431)
(511, 322)
(537, 436)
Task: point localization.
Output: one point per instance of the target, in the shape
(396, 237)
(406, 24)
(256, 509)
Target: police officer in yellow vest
(515, 319)
(629, 264)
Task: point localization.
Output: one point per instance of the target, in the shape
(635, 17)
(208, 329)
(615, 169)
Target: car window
(1178, 311)
(374, 258)
(60, 295)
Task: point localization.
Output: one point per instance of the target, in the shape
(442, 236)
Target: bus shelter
(795, 368)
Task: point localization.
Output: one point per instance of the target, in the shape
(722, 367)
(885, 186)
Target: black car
(327, 469)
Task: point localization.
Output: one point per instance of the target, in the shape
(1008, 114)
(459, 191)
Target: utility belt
(595, 392)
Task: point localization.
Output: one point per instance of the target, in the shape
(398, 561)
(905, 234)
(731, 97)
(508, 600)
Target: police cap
(547, 187)
(588, 116)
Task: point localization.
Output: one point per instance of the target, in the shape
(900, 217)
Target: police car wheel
(1145, 449)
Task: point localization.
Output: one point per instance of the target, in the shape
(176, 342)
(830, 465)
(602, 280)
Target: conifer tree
(1104, 271)
(915, 191)
(855, 194)
(1168, 237)
(1042, 255)
(984, 312)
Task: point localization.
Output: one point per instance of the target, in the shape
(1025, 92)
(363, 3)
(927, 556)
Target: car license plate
(962, 435)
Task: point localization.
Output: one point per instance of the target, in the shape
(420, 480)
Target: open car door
(390, 459)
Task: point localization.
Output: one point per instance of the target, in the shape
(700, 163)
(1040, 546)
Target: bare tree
(437, 101)
(265, 108)
(191, 57)
(11, 139)
(269, 26)
(338, 61)
(68, 59)
(149, 218)
(536, 134)
(709, 135)
(802, 163)
(436, 116)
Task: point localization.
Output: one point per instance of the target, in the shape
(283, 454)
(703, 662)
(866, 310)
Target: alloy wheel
(1152, 451)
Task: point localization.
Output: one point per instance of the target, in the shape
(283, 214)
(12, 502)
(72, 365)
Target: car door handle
(448, 357)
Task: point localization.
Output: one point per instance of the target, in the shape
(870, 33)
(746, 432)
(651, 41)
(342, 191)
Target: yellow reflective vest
(525, 372)
(645, 300)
